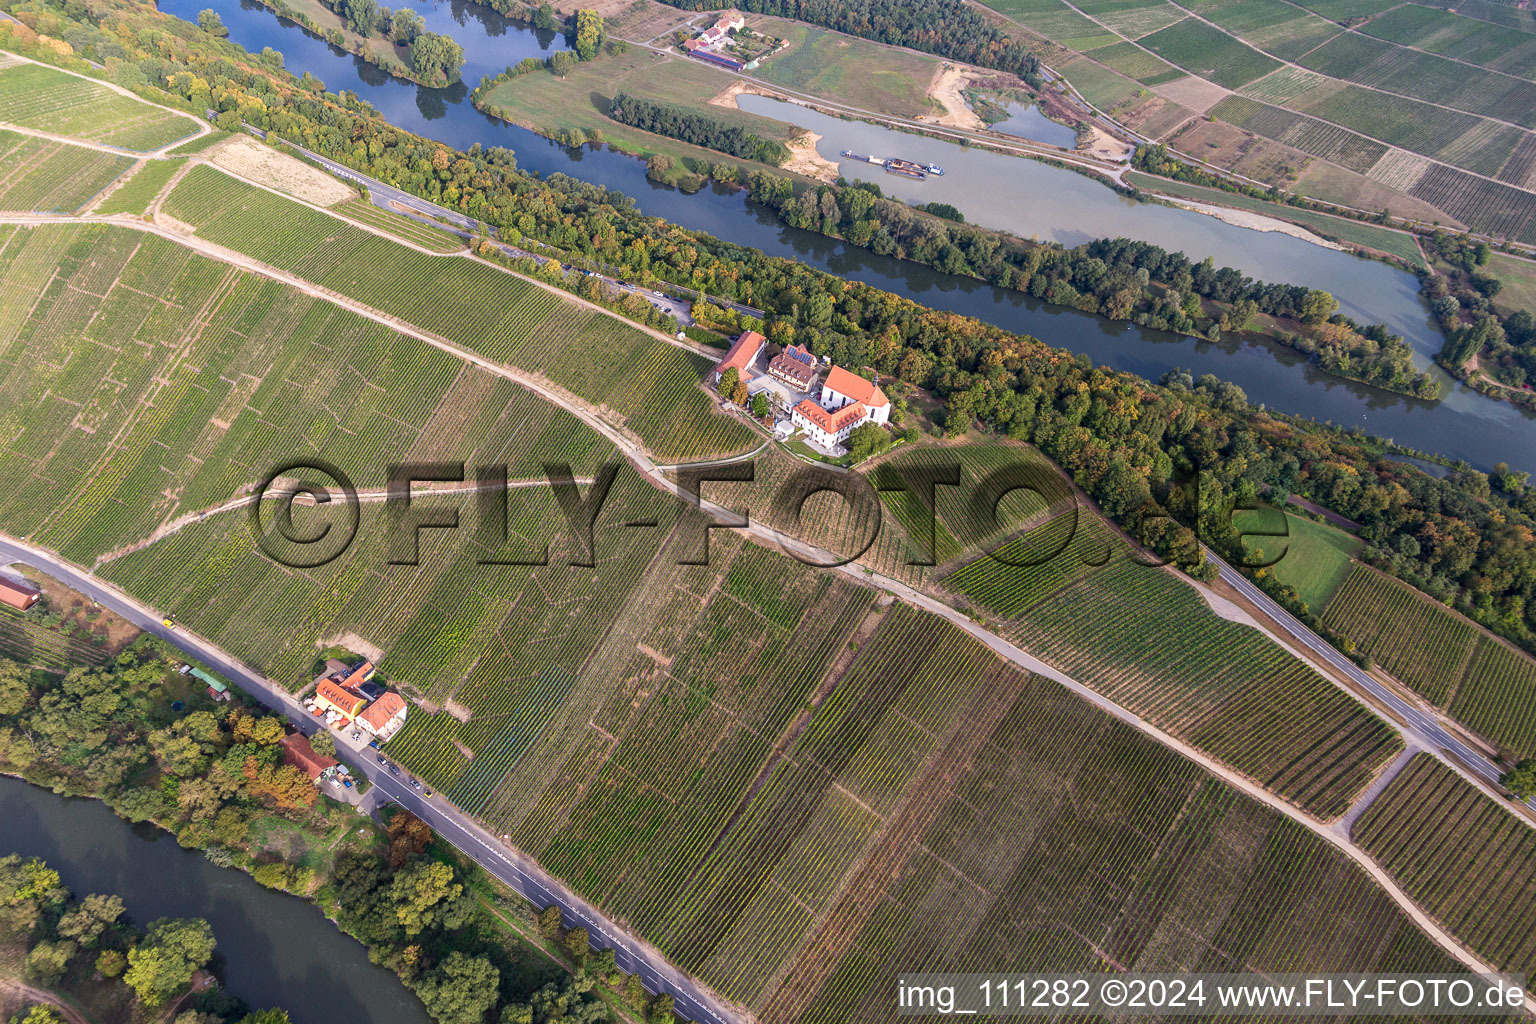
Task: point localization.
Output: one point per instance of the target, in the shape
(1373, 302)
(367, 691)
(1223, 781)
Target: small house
(217, 688)
(18, 595)
(298, 752)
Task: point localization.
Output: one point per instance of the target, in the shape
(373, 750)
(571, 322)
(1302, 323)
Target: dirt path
(808, 553)
(37, 995)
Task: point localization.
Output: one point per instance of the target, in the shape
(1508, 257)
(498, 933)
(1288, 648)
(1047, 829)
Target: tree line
(948, 28)
(1502, 339)
(1127, 441)
(699, 129)
(1117, 278)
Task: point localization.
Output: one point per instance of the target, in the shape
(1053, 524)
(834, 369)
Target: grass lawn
(1519, 278)
(854, 71)
(1397, 243)
(549, 105)
(1316, 559)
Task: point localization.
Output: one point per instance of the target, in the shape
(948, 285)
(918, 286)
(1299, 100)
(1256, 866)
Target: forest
(699, 129)
(1139, 448)
(948, 28)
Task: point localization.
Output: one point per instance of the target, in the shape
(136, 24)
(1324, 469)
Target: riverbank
(389, 57)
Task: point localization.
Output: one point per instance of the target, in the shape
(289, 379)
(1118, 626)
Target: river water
(276, 950)
(1022, 195)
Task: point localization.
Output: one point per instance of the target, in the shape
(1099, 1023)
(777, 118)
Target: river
(1057, 203)
(276, 950)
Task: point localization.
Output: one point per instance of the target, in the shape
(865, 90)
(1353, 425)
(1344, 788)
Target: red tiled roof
(382, 710)
(338, 695)
(798, 370)
(743, 351)
(855, 387)
(831, 422)
(298, 752)
(17, 595)
(358, 675)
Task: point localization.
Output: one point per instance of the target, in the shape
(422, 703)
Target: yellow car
(168, 623)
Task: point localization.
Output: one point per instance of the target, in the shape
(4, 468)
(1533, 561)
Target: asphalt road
(500, 859)
(1423, 725)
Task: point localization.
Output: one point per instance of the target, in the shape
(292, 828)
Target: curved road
(1423, 725)
(506, 863)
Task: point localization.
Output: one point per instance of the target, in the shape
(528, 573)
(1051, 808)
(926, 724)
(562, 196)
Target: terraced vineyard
(1464, 858)
(1147, 641)
(171, 382)
(1483, 683)
(650, 386)
(50, 100)
(52, 177)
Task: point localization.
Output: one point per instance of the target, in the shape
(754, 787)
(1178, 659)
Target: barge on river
(896, 165)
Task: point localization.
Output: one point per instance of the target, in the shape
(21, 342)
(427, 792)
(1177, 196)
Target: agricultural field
(1461, 38)
(1134, 62)
(1056, 21)
(1148, 641)
(1481, 205)
(49, 100)
(140, 383)
(1314, 559)
(401, 226)
(1461, 856)
(1483, 683)
(851, 70)
(647, 386)
(53, 177)
(1132, 18)
(1308, 134)
(1280, 30)
(1519, 281)
(1209, 53)
(28, 642)
(135, 194)
(1125, 100)
(1002, 862)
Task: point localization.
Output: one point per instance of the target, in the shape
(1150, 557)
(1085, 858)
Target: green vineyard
(651, 386)
(1484, 683)
(1464, 858)
(1148, 642)
(34, 96)
(53, 177)
(174, 382)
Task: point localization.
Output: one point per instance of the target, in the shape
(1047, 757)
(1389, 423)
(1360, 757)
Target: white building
(826, 427)
(842, 389)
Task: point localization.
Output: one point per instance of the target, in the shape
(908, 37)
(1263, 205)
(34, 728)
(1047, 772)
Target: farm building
(742, 353)
(298, 752)
(825, 426)
(18, 595)
(842, 388)
(716, 58)
(794, 366)
(384, 717)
